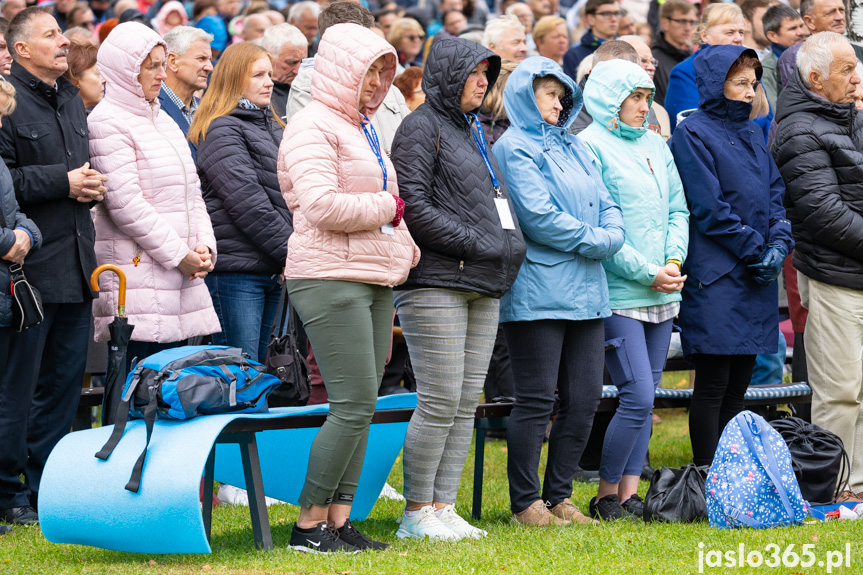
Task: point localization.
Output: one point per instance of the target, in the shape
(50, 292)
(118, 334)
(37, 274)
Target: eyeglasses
(744, 83)
(608, 14)
(684, 21)
(414, 37)
(652, 61)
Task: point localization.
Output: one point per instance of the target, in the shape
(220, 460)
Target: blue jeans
(635, 355)
(245, 304)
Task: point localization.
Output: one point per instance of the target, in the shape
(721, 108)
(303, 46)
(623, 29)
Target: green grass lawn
(624, 548)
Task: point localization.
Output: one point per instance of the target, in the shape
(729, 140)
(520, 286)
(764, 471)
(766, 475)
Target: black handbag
(26, 301)
(284, 360)
(677, 495)
(818, 457)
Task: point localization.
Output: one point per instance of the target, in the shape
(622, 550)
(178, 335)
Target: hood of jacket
(711, 67)
(169, 7)
(520, 101)
(611, 82)
(447, 67)
(120, 58)
(796, 97)
(345, 54)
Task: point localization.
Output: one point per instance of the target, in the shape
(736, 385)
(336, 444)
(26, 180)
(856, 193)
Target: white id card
(503, 212)
(388, 229)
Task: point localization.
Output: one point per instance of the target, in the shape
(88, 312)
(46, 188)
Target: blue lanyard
(480, 143)
(372, 138)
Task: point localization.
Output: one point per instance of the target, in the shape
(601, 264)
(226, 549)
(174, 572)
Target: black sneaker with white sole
(321, 539)
(606, 509)
(351, 534)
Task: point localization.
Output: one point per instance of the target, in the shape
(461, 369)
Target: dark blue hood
(711, 67)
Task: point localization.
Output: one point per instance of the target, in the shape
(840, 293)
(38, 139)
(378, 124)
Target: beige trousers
(834, 357)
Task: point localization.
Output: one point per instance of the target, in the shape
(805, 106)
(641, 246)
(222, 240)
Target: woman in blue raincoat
(644, 278)
(738, 239)
(553, 314)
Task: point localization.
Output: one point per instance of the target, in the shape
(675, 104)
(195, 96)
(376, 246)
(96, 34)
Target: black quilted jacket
(237, 167)
(448, 192)
(819, 150)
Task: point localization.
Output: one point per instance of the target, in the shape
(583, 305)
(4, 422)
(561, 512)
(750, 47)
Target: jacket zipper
(185, 178)
(655, 179)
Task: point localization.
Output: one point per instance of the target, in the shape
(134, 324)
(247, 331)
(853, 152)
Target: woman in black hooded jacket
(459, 213)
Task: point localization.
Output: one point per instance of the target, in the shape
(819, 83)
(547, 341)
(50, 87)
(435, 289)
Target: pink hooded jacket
(330, 178)
(153, 209)
(162, 25)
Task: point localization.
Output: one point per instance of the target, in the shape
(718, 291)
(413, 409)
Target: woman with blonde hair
(720, 24)
(406, 36)
(551, 38)
(238, 140)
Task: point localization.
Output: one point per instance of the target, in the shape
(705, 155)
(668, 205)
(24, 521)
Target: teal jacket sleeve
(540, 219)
(677, 238)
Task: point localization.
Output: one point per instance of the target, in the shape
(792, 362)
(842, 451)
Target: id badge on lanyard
(374, 143)
(503, 212)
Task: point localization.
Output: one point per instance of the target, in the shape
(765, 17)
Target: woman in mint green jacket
(644, 279)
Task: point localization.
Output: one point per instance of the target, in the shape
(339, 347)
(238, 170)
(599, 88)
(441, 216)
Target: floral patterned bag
(751, 482)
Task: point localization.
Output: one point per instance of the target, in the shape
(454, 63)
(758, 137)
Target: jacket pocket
(547, 256)
(34, 132)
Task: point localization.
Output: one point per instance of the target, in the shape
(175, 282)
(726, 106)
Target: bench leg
(255, 488)
(478, 462)
(207, 497)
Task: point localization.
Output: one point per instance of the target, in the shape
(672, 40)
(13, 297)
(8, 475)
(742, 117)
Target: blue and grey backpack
(184, 382)
(751, 482)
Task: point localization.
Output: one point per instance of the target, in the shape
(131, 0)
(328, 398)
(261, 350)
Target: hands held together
(86, 185)
(668, 279)
(197, 263)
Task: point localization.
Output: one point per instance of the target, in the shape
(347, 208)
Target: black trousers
(549, 354)
(720, 384)
(39, 394)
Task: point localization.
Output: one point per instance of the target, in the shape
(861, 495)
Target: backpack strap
(281, 310)
(768, 462)
(120, 418)
(149, 421)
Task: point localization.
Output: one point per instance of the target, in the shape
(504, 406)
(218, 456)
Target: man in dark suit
(44, 144)
(189, 67)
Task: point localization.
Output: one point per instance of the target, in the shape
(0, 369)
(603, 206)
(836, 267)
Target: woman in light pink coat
(348, 249)
(153, 222)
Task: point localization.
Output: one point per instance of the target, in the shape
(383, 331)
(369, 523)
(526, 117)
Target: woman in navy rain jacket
(738, 238)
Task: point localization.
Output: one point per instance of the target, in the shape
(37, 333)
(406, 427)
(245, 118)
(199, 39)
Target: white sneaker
(425, 524)
(389, 492)
(458, 525)
(230, 495)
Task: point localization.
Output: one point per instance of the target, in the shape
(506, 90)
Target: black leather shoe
(25, 515)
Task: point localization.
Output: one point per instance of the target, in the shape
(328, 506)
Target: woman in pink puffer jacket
(348, 249)
(153, 222)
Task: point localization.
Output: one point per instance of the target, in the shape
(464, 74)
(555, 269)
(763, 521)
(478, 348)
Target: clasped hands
(86, 184)
(668, 279)
(197, 263)
(770, 266)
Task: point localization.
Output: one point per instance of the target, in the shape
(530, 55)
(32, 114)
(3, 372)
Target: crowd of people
(537, 189)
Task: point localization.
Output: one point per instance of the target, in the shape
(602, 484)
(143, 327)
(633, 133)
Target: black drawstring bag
(26, 301)
(677, 495)
(818, 458)
(284, 359)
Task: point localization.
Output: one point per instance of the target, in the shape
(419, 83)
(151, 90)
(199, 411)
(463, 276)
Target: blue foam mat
(165, 515)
